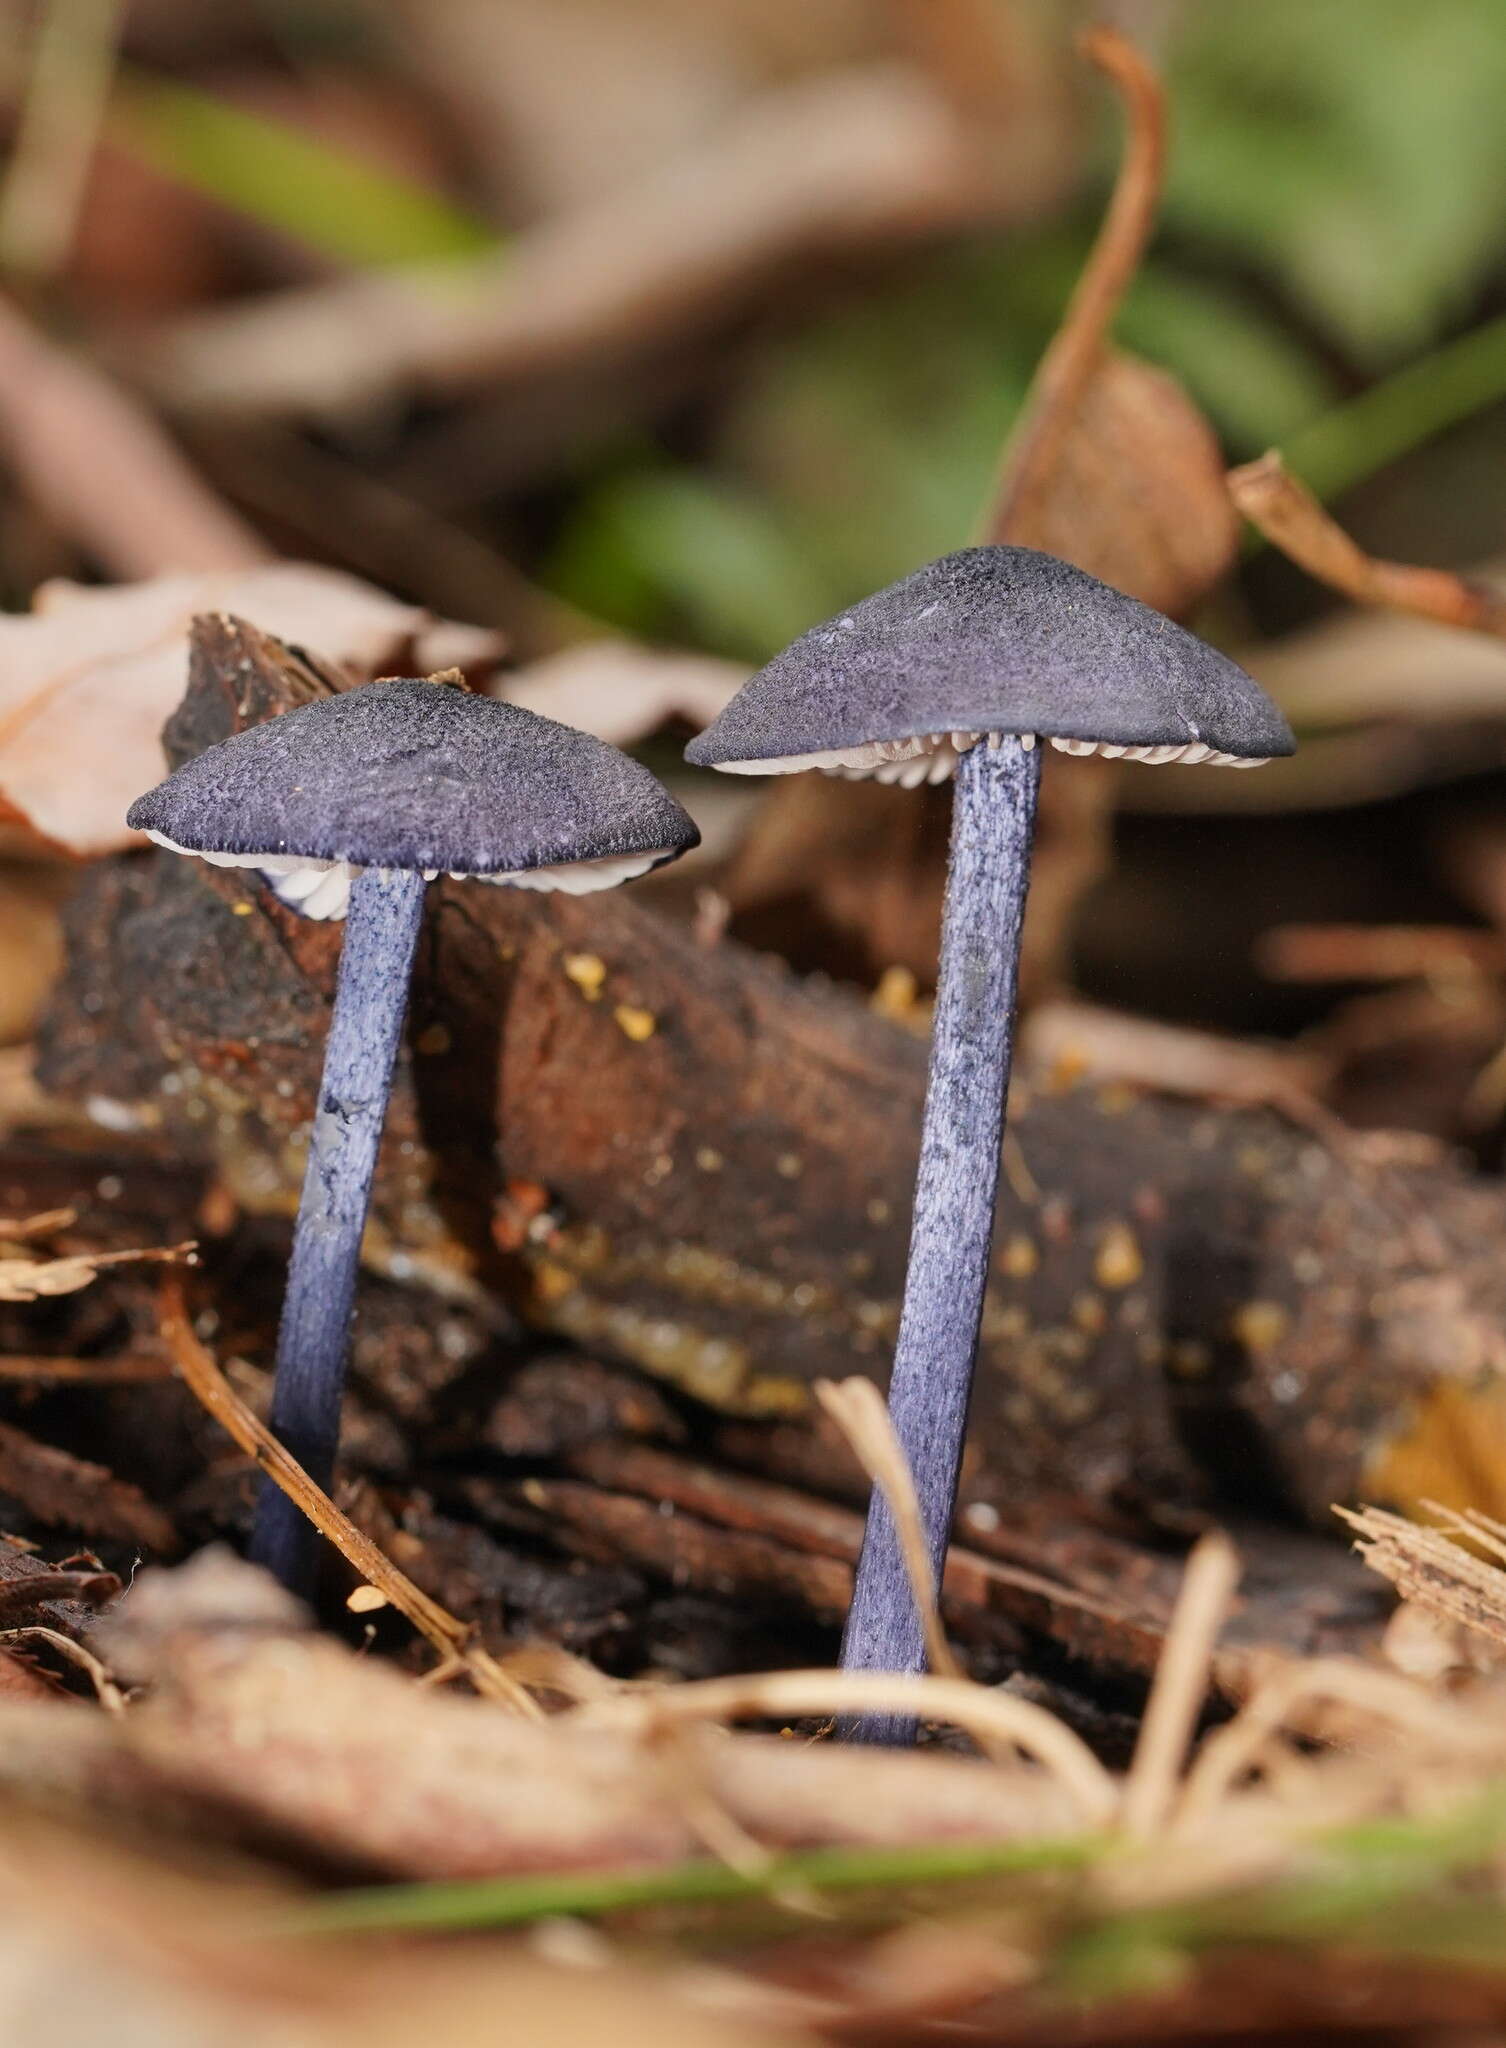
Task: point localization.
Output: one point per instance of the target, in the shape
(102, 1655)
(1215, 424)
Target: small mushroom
(354, 804)
(958, 670)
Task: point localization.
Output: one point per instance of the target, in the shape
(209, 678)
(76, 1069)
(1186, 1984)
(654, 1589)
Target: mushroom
(957, 671)
(355, 803)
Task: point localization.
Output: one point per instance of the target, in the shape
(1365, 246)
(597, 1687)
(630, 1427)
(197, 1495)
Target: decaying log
(685, 1159)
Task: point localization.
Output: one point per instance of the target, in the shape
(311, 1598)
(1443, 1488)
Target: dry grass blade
(1181, 1685)
(1033, 456)
(450, 1637)
(45, 1224)
(32, 1279)
(1285, 1700)
(989, 1717)
(1290, 517)
(858, 1409)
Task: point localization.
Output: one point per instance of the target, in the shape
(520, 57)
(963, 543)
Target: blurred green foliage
(1353, 150)
(1333, 204)
(341, 206)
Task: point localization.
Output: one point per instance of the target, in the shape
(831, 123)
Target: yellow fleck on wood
(1260, 1325)
(366, 1600)
(551, 1282)
(1119, 1262)
(1188, 1359)
(1089, 1314)
(897, 997)
(242, 909)
(1019, 1258)
(635, 1024)
(587, 972)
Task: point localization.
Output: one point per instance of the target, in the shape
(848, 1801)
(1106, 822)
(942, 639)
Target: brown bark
(716, 1160)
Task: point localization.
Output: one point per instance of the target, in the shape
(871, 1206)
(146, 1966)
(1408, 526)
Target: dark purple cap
(996, 639)
(411, 774)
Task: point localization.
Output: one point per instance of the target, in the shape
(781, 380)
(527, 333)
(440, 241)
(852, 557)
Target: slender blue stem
(972, 1041)
(365, 1026)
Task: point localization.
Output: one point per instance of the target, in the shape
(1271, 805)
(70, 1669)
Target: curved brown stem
(1061, 379)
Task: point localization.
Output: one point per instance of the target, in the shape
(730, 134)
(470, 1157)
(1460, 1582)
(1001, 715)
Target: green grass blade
(479, 1903)
(334, 203)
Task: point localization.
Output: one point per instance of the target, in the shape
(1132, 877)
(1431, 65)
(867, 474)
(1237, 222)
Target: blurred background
(644, 333)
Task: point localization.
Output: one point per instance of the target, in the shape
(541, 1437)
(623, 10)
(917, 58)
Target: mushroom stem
(371, 995)
(993, 822)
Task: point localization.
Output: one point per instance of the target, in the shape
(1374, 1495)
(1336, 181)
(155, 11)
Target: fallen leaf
(88, 678)
(1137, 495)
(622, 692)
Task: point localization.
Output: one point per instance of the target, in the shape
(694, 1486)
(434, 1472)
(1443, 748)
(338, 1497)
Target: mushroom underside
(320, 889)
(933, 757)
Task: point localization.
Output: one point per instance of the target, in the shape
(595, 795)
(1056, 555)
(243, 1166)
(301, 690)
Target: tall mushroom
(957, 670)
(354, 804)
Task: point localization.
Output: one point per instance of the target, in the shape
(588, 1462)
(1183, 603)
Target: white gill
(320, 889)
(934, 757)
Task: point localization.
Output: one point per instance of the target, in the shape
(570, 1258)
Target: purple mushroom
(959, 670)
(353, 805)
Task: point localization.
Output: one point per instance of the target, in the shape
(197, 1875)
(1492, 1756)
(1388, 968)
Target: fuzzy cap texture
(412, 774)
(995, 639)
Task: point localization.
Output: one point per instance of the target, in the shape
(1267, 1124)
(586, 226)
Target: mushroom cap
(410, 774)
(995, 639)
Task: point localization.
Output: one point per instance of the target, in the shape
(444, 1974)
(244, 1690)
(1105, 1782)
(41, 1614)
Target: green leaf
(343, 207)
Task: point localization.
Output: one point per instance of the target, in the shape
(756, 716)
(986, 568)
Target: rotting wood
(1202, 1303)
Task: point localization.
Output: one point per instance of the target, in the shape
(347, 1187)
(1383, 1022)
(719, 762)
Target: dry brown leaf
(851, 156)
(1137, 495)
(88, 678)
(623, 692)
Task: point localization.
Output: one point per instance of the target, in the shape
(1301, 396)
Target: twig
(448, 1635)
(73, 61)
(857, 1408)
(1289, 516)
(102, 468)
(36, 1279)
(1065, 370)
(131, 1369)
(1433, 1571)
(41, 1588)
(1181, 1685)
